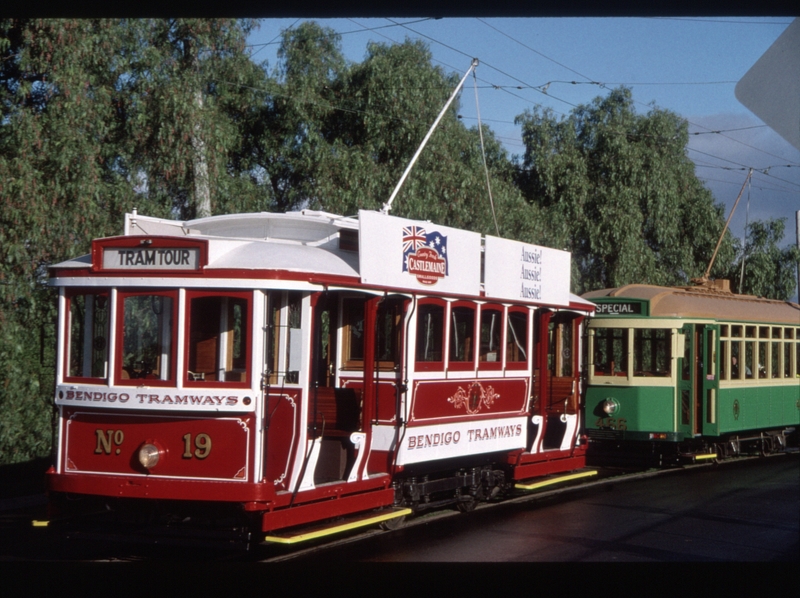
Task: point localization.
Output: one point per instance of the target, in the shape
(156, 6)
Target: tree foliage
(619, 192)
(769, 271)
(338, 136)
(98, 117)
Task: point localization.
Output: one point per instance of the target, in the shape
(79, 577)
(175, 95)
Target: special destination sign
(522, 272)
(618, 309)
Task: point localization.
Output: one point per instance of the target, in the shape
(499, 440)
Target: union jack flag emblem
(414, 237)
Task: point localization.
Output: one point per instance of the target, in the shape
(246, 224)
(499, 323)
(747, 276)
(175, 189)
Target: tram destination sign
(148, 254)
(620, 308)
(147, 258)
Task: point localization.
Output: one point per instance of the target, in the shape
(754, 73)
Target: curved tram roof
(704, 302)
(308, 243)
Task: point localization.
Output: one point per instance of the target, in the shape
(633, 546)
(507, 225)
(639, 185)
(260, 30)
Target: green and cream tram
(689, 373)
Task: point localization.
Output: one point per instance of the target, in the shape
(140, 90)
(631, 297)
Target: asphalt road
(746, 511)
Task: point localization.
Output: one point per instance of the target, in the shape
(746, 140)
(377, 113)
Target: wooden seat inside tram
(338, 415)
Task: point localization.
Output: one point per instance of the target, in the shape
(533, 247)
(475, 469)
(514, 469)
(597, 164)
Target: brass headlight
(610, 406)
(149, 455)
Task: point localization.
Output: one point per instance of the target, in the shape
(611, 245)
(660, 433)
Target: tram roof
(704, 302)
(305, 241)
(312, 242)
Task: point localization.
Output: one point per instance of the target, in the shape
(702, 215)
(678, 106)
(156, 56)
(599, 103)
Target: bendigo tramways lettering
(422, 441)
(151, 399)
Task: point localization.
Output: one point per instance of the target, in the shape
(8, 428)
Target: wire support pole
(716, 249)
(744, 248)
(388, 205)
(483, 154)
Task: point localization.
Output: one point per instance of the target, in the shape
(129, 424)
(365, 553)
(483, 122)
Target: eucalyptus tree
(764, 268)
(338, 136)
(619, 191)
(97, 117)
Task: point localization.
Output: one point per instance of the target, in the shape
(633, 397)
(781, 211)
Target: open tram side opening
(356, 343)
(558, 376)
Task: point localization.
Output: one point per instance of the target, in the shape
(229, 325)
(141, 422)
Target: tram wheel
(766, 446)
(392, 524)
(467, 506)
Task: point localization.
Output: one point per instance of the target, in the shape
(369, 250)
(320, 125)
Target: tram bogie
(303, 367)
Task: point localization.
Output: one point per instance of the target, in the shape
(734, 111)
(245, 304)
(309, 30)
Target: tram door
(334, 411)
(560, 377)
(699, 380)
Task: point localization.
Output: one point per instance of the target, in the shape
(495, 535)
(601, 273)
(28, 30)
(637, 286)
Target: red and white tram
(300, 368)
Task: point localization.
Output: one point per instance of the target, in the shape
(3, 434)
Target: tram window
(388, 331)
(611, 352)
(517, 337)
(218, 331)
(797, 359)
(723, 330)
(652, 352)
(273, 335)
(87, 327)
(565, 347)
(686, 373)
(723, 360)
(787, 359)
(762, 359)
(430, 329)
(294, 338)
(736, 371)
(491, 333)
(147, 337)
(736, 331)
(748, 359)
(775, 358)
(388, 326)
(462, 333)
(353, 329)
(559, 350)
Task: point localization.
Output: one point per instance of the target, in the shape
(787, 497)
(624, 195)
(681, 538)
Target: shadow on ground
(23, 479)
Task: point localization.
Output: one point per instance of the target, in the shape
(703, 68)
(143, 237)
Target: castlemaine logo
(424, 254)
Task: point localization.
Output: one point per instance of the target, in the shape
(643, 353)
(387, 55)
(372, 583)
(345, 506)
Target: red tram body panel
(305, 366)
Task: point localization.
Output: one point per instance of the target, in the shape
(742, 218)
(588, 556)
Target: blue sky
(687, 65)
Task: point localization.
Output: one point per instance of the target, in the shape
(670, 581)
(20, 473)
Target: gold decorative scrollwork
(475, 398)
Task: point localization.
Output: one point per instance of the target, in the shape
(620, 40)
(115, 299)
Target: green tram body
(681, 374)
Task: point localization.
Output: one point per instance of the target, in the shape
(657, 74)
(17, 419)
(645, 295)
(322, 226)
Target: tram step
(536, 485)
(340, 525)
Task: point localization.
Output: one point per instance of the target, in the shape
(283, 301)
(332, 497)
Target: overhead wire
(590, 80)
(543, 88)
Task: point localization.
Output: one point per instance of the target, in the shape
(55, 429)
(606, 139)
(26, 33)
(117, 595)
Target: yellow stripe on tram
(336, 529)
(574, 476)
(705, 456)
